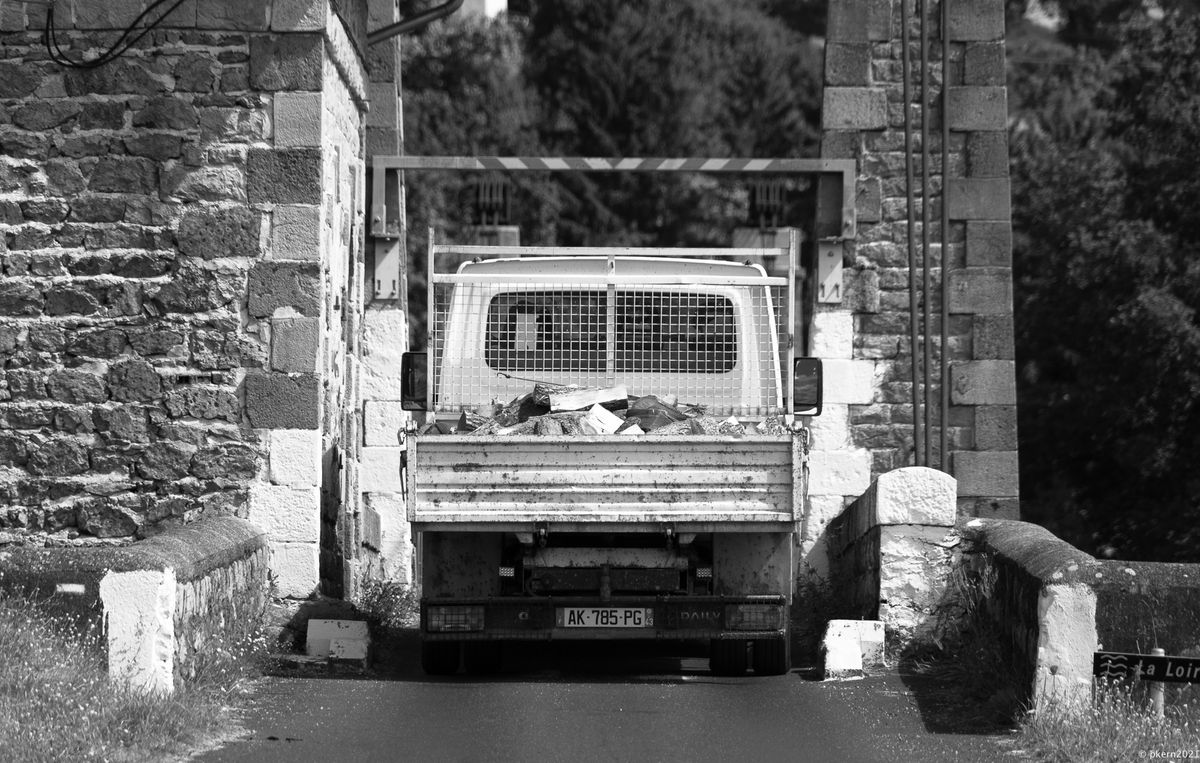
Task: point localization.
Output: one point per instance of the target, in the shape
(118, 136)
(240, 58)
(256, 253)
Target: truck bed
(691, 482)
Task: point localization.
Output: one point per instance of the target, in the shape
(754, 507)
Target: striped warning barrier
(384, 222)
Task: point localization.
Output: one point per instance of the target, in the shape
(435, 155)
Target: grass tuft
(390, 605)
(1117, 726)
(57, 702)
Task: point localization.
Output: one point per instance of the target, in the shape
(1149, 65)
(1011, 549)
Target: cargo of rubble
(555, 411)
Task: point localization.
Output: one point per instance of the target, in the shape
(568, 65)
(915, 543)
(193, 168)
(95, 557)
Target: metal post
(1156, 688)
(913, 320)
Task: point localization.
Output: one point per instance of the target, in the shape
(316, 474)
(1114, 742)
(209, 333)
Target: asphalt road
(568, 703)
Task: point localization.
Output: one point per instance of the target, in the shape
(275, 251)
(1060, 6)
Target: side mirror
(807, 383)
(414, 381)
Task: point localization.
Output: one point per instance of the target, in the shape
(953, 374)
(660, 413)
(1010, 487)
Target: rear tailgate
(461, 479)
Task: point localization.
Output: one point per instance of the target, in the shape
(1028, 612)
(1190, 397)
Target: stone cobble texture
(125, 251)
(141, 269)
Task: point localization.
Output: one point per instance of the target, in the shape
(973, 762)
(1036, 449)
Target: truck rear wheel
(727, 657)
(482, 657)
(771, 656)
(440, 658)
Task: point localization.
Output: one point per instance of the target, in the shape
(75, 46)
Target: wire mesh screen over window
(719, 345)
(653, 332)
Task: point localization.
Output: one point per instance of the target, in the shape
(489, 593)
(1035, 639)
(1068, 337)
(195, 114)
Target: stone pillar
(311, 177)
(387, 541)
(863, 119)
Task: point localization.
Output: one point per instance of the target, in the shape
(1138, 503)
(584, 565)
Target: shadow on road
(956, 704)
(396, 656)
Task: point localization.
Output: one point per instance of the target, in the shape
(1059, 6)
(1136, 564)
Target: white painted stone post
(139, 617)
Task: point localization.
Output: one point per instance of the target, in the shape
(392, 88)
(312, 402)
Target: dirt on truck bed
(568, 410)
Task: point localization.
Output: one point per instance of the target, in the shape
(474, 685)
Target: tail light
(754, 617)
(458, 619)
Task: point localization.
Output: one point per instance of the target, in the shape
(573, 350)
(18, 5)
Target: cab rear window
(645, 332)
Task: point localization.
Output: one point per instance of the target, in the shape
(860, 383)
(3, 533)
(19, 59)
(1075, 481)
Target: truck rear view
(609, 452)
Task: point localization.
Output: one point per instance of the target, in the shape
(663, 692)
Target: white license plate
(605, 617)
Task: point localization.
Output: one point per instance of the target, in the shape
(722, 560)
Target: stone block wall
(867, 427)
(181, 241)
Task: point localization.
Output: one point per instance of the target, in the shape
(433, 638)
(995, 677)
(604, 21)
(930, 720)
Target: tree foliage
(1107, 268)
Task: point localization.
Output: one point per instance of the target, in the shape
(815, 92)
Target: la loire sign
(1148, 667)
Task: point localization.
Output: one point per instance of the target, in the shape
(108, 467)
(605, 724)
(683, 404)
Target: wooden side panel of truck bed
(611, 479)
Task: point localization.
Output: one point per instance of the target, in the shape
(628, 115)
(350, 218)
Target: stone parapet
(159, 602)
(1039, 592)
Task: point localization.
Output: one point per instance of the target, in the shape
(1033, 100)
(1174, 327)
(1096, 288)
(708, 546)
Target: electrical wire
(116, 50)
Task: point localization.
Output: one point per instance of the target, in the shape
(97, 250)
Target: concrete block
(283, 176)
(915, 495)
(395, 535)
(992, 337)
(987, 154)
(847, 64)
(321, 632)
(843, 649)
(295, 569)
(384, 335)
(831, 430)
(840, 472)
(295, 344)
(379, 470)
(979, 199)
(983, 64)
(286, 61)
(297, 119)
(383, 420)
(287, 514)
(973, 20)
(978, 107)
(296, 232)
(986, 473)
(982, 291)
(832, 335)
(859, 21)
(295, 457)
(139, 619)
(849, 381)
(996, 427)
(274, 284)
(854, 108)
(280, 401)
(983, 382)
(299, 15)
(989, 244)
